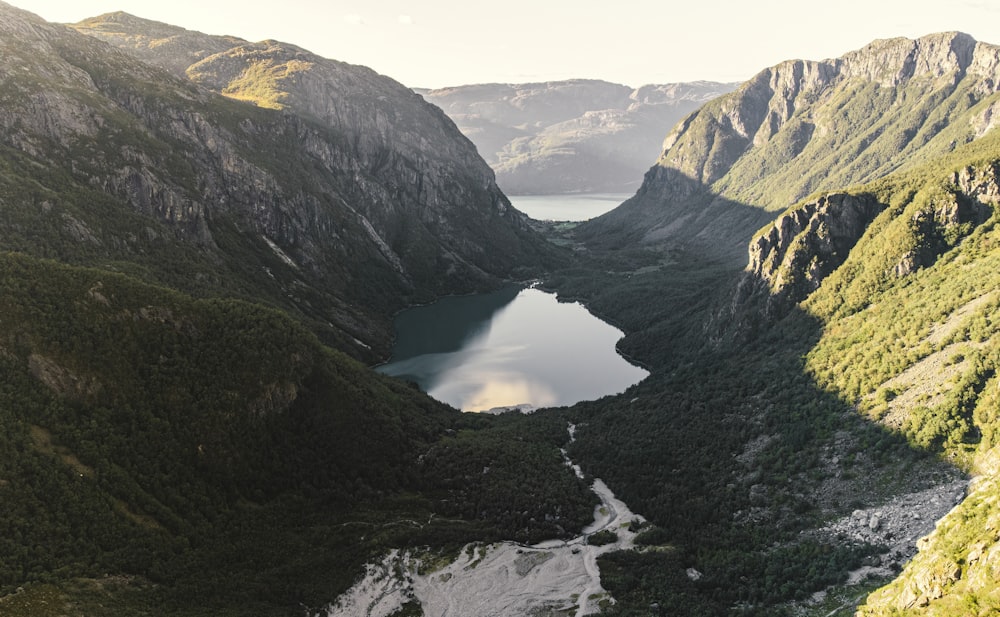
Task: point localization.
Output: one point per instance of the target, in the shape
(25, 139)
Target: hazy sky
(436, 43)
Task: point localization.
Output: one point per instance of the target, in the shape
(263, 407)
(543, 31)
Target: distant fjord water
(567, 207)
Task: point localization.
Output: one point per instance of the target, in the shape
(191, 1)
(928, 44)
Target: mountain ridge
(174, 47)
(774, 140)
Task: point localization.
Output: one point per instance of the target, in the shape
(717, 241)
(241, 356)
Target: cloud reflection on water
(532, 350)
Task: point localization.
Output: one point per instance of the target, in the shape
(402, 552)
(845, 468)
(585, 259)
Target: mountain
(821, 323)
(192, 241)
(806, 126)
(354, 199)
(184, 278)
(570, 136)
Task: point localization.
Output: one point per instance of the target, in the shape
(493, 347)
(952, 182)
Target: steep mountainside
(570, 136)
(802, 460)
(165, 455)
(805, 126)
(178, 435)
(340, 218)
(911, 337)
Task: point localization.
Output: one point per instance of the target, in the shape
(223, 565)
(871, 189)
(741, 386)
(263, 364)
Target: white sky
(436, 43)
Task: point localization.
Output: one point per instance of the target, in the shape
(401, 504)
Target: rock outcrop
(791, 257)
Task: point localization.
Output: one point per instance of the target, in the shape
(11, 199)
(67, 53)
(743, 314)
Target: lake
(577, 207)
(515, 346)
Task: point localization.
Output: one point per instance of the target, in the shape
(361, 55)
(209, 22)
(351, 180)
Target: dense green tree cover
(482, 473)
(217, 450)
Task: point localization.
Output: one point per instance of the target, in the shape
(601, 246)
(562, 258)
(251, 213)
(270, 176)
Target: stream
(556, 577)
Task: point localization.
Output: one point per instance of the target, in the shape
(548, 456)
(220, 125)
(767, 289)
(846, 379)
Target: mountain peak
(897, 60)
(171, 47)
(117, 17)
(120, 21)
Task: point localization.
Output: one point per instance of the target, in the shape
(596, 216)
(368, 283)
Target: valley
(203, 243)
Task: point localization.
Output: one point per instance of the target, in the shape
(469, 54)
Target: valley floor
(558, 577)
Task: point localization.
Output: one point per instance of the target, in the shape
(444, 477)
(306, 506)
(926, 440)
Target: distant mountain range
(570, 136)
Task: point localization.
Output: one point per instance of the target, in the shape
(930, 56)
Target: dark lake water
(576, 207)
(510, 347)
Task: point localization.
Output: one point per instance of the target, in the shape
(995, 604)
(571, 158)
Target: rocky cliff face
(792, 256)
(803, 126)
(356, 193)
(570, 136)
(794, 105)
(801, 247)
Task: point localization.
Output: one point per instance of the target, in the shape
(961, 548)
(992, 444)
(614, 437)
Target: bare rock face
(981, 186)
(768, 104)
(802, 246)
(791, 257)
(324, 188)
(395, 140)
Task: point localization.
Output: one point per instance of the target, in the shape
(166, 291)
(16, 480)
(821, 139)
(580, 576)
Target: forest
(214, 456)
